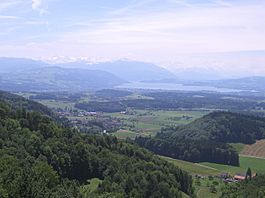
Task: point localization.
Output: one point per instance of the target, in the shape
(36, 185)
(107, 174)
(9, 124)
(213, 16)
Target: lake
(173, 87)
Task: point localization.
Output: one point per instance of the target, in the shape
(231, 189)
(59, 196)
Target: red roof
(239, 177)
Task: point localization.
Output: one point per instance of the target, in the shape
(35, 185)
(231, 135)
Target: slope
(41, 159)
(224, 127)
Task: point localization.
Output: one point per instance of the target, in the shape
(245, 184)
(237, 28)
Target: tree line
(191, 150)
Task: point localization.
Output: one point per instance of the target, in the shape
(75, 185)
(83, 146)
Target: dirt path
(207, 167)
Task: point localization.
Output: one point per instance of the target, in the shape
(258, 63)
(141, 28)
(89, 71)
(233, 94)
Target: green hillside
(42, 159)
(206, 139)
(223, 127)
(18, 102)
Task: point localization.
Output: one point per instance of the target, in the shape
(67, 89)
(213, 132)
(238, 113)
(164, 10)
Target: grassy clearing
(238, 146)
(192, 168)
(202, 185)
(205, 192)
(256, 165)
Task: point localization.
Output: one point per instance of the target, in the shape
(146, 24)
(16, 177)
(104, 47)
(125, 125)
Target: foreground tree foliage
(254, 188)
(38, 158)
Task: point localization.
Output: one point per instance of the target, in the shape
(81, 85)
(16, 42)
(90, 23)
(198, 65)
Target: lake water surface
(173, 87)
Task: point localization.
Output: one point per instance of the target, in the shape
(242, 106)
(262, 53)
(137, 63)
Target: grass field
(256, 165)
(202, 185)
(238, 146)
(256, 150)
(193, 168)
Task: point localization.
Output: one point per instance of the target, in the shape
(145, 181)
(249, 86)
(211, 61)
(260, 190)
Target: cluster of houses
(227, 178)
(64, 113)
(236, 178)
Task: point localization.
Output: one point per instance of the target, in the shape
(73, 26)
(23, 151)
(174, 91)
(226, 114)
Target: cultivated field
(255, 150)
(149, 122)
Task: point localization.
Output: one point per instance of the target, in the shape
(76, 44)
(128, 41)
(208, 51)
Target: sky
(217, 34)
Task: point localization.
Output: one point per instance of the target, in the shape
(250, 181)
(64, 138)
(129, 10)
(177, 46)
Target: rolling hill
(223, 127)
(206, 139)
(18, 102)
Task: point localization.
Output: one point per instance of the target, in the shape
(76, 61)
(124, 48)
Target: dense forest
(254, 188)
(39, 158)
(18, 102)
(206, 138)
(190, 150)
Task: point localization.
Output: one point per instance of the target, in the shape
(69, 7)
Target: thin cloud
(145, 30)
(5, 17)
(7, 4)
(38, 5)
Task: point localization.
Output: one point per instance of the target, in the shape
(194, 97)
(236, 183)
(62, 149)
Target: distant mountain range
(17, 74)
(58, 79)
(128, 70)
(29, 75)
(11, 65)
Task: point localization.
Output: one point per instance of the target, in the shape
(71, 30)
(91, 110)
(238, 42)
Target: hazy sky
(166, 32)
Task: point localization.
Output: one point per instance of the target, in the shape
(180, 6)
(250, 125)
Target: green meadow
(149, 122)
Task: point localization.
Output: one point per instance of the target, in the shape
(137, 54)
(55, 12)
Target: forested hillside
(223, 127)
(41, 159)
(206, 138)
(190, 150)
(18, 102)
